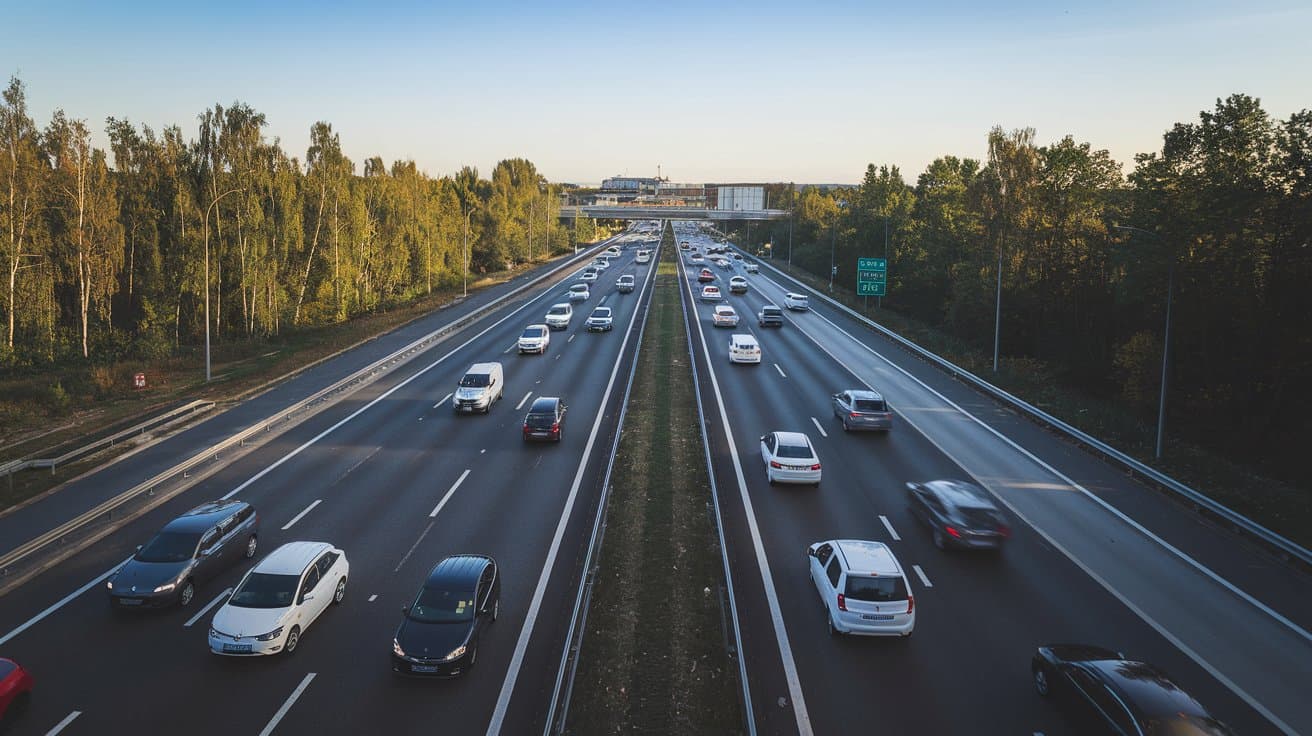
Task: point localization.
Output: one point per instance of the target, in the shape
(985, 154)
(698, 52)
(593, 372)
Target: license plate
(129, 601)
(237, 648)
(876, 617)
(423, 668)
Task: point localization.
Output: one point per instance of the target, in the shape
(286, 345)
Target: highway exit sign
(871, 276)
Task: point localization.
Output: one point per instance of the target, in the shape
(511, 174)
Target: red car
(15, 690)
(705, 276)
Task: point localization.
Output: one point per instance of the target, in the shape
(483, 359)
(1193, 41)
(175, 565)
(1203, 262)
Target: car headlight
(270, 636)
(396, 648)
(109, 584)
(457, 652)
(166, 587)
(215, 633)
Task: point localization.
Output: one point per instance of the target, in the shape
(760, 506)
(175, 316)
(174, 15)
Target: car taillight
(816, 466)
(1004, 530)
(855, 415)
(775, 464)
(842, 602)
(911, 604)
(526, 429)
(952, 531)
(555, 426)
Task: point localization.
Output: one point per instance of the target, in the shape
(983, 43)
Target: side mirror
(307, 597)
(405, 610)
(763, 438)
(810, 553)
(138, 548)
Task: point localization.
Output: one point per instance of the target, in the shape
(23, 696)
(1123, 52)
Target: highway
(392, 476)
(1075, 570)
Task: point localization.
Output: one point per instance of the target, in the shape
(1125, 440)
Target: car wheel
(1041, 684)
(938, 539)
(251, 545)
(340, 593)
(187, 593)
(293, 639)
(769, 477)
(846, 427)
(473, 656)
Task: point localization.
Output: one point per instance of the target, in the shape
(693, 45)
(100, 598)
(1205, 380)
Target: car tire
(252, 544)
(1042, 685)
(473, 656)
(846, 428)
(340, 592)
(769, 477)
(939, 541)
(293, 640)
(186, 594)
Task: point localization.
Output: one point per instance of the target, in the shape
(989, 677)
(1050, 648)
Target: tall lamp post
(464, 249)
(1166, 332)
(208, 210)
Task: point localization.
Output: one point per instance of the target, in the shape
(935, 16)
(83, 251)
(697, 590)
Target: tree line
(112, 254)
(1228, 199)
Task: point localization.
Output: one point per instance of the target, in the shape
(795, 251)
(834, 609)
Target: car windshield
(877, 590)
(263, 590)
(533, 332)
(794, 451)
(473, 380)
(603, 312)
(869, 405)
(558, 310)
(774, 311)
(169, 547)
(438, 606)
(579, 287)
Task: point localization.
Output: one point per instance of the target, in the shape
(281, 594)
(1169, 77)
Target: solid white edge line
(889, 526)
(62, 724)
(301, 515)
(443, 401)
(921, 574)
(1159, 628)
(767, 578)
(287, 704)
(521, 401)
(781, 370)
(530, 619)
(207, 608)
(61, 603)
(447, 497)
(823, 433)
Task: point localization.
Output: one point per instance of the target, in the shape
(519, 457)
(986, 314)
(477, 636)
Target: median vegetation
(654, 655)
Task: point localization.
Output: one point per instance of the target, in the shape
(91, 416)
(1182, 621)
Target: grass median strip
(653, 658)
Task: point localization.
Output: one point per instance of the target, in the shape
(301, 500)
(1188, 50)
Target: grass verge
(654, 657)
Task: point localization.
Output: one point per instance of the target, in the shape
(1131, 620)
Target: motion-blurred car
(797, 302)
(711, 293)
(545, 418)
(724, 316)
(751, 267)
(863, 588)
(558, 316)
(790, 458)
(600, 320)
(705, 275)
(1103, 692)
(770, 316)
(862, 409)
(600, 264)
(440, 633)
(535, 339)
(737, 285)
(958, 514)
(579, 293)
(625, 284)
(589, 276)
(15, 691)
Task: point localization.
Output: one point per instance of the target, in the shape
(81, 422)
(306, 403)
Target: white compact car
(751, 268)
(710, 293)
(558, 316)
(790, 458)
(589, 276)
(744, 349)
(644, 256)
(535, 339)
(796, 302)
(601, 264)
(863, 588)
(725, 316)
(280, 597)
(579, 293)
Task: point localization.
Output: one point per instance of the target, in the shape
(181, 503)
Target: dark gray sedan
(958, 514)
(862, 409)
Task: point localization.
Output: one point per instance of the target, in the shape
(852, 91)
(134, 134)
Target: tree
(21, 176)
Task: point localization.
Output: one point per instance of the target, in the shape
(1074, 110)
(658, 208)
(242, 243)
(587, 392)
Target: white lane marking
(889, 526)
(521, 401)
(512, 347)
(447, 497)
(301, 515)
(61, 603)
(530, 620)
(207, 608)
(571, 339)
(443, 401)
(823, 433)
(1179, 644)
(767, 578)
(414, 546)
(67, 720)
(287, 705)
(921, 574)
(781, 370)
(373, 597)
(603, 300)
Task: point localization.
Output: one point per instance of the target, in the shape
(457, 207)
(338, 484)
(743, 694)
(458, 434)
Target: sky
(807, 92)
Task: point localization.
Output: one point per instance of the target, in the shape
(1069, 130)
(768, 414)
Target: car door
(307, 598)
(767, 449)
(208, 555)
(840, 404)
(327, 585)
(818, 562)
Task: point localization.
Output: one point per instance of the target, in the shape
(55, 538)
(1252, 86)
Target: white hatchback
(278, 599)
(796, 302)
(578, 293)
(863, 588)
(744, 349)
(710, 293)
(790, 458)
(725, 316)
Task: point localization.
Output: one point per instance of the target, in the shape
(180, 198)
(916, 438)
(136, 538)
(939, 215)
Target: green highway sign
(872, 276)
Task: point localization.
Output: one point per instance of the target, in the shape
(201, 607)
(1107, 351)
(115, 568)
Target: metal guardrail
(106, 510)
(1285, 546)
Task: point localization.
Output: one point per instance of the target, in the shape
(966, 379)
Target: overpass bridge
(637, 212)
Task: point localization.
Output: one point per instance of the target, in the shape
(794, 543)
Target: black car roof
(457, 570)
(205, 516)
(1146, 688)
(543, 405)
(961, 494)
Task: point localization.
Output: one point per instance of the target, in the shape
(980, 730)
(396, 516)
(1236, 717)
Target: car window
(1112, 709)
(769, 442)
(558, 310)
(325, 563)
(443, 606)
(540, 421)
(977, 518)
(794, 451)
(262, 590)
(169, 547)
(311, 580)
(208, 540)
(869, 405)
(475, 380)
(833, 570)
(877, 590)
(533, 332)
(6, 667)
(824, 552)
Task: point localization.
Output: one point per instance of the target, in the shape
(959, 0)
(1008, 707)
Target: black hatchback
(440, 632)
(958, 514)
(192, 548)
(545, 419)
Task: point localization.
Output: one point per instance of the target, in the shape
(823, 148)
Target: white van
(481, 385)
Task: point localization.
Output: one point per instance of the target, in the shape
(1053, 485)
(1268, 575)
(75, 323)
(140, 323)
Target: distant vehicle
(589, 276)
(751, 267)
(725, 316)
(958, 514)
(535, 339)
(737, 285)
(1102, 689)
(600, 320)
(188, 551)
(15, 691)
(863, 588)
(696, 258)
(442, 627)
(481, 386)
(644, 256)
(737, 256)
(625, 284)
(790, 458)
(710, 293)
(683, 244)
(796, 302)
(579, 292)
(558, 316)
(278, 600)
(705, 275)
(724, 263)
(600, 264)
(770, 316)
(744, 349)
(613, 252)
(862, 409)
(544, 420)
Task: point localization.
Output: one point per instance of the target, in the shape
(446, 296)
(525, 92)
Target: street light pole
(464, 249)
(833, 244)
(1166, 335)
(208, 210)
(790, 239)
